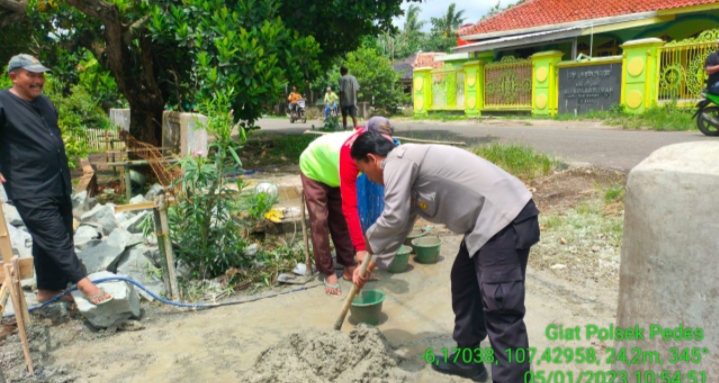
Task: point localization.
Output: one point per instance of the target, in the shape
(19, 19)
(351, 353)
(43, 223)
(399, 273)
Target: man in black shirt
(33, 167)
(712, 69)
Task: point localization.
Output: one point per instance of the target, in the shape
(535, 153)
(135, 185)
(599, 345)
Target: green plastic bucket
(367, 307)
(414, 234)
(427, 249)
(401, 260)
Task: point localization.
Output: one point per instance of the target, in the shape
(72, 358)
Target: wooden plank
(14, 294)
(26, 267)
(4, 293)
(404, 139)
(5, 244)
(141, 206)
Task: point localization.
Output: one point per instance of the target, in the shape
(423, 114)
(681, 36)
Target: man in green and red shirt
(329, 178)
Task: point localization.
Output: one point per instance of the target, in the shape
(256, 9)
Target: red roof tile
(535, 13)
(427, 60)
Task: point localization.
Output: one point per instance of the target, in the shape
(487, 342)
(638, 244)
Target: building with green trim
(570, 56)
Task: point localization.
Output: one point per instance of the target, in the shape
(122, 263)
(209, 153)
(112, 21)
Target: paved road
(573, 141)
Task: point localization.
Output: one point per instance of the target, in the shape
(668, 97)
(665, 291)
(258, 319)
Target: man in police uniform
(36, 176)
(496, 214)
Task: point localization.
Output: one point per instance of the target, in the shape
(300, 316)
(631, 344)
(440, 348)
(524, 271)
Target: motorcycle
(299, 112)
(707, 115)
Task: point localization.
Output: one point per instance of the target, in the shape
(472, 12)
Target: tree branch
(135, 27)
(14, 6)
(12, 12)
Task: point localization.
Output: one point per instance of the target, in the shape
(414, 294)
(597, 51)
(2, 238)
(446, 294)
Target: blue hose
(165, 301)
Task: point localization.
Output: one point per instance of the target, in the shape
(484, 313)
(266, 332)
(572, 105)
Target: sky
(473, 9)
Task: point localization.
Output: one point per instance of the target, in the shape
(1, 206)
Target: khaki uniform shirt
(445, 185)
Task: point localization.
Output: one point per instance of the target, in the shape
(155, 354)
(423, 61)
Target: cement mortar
(316, 356)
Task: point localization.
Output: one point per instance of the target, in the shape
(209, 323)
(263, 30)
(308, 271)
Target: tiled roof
(536, 13)
(405, 69)
(427, 59)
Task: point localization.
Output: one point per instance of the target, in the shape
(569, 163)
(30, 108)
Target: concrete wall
(180, 132)
(670, 256)
(121, 118)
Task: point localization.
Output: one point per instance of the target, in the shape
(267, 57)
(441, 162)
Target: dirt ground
(223, 344)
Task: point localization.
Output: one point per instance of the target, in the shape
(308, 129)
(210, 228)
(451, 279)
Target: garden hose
(165, 301)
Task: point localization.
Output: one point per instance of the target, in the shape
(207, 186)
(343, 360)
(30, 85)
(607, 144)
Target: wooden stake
(5, 244)
(23, 309)
(14, 294)
(161, 246)
(169, 256)
(308, 259)
(4, 295)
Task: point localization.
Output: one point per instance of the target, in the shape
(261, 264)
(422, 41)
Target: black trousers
(49, 221)
(488, 294)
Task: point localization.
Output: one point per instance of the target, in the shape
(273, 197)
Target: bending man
(496, 214)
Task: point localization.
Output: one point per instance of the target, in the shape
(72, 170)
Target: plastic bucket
(427, 249)
(401, 260)
(367, 307)
(414, 234)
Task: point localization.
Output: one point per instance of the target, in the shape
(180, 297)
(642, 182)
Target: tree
(148, 46)
(376, 76)
(412, 24)
(448, 24)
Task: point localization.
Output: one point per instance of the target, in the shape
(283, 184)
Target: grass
(444, 116)
(669, 117)
(271, 149)
(614, 194)
(519, 160)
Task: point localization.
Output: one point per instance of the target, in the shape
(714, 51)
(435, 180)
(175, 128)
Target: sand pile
(317, 356)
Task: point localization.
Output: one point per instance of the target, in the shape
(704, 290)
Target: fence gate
(508, 84)
(681, 67)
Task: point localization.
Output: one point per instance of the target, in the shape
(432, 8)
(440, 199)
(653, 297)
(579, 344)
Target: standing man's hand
(2, 179)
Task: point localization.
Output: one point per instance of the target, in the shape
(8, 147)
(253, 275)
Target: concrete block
(80, 201)
(125, 305)
(669, 255)
(184, 132)
(21, 242)
(137, 199)
(154, 191)
(102, 257)
(85, 237)
(12, 216)
(137, 263)
(102, 217)
(133, 224)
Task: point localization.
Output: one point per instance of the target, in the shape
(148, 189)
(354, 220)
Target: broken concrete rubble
(154, 191)
(101, 216)
(138, 263)
(21, 242)
(86, 237)
(12, 216)
(125, 303)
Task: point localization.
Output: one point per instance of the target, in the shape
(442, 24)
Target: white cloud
(473, 9)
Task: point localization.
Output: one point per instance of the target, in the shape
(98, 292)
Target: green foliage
(667, 117)
(376, 77)
(521, 161)
(242, 47)
(202, 223)
(614, 194)
(340, 26)
(257, 204)
(447, 25)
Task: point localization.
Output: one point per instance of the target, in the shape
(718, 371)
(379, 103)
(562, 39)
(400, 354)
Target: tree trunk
(146, 122)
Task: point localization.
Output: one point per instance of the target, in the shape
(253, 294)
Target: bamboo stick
(405, 139)
(169, 256)
(306, 246)
(23, 309)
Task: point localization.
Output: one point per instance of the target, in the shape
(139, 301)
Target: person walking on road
(34, 170)
(499, 220)
(348, 96)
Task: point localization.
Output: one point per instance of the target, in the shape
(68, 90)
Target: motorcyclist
(293, 98)
(331, 99)
(712, 70)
